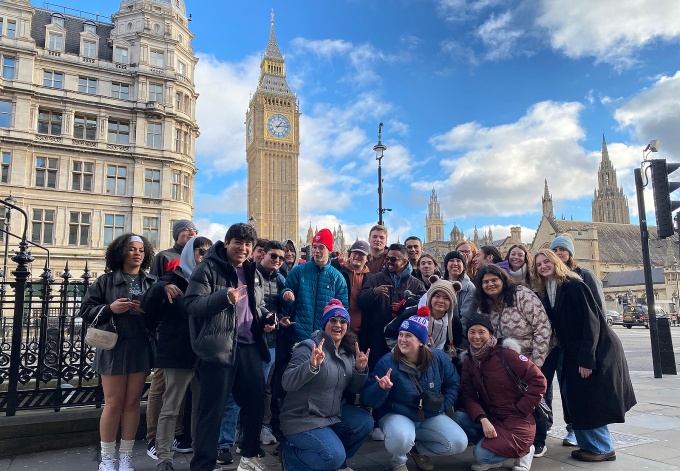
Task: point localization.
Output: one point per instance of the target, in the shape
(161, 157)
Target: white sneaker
(524, 463)
(484, 467)
(108, 463)
(252, 464)
(377, 435)
(266, 436)
(125, 463)
(345, 469)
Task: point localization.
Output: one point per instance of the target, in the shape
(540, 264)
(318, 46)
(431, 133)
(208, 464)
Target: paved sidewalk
(650, 439)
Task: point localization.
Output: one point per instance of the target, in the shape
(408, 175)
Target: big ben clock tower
(272, 149)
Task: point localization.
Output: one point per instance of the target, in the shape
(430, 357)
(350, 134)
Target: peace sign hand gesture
(385, 382)
(237, 294)
(361, 359)
(318, 355)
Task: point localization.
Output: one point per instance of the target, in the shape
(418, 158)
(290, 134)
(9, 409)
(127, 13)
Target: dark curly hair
(508, 291)
(116, 251)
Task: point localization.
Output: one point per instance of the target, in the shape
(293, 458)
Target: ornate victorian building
(434, 221)
(272, 149)
(610, 204)
(97, 125)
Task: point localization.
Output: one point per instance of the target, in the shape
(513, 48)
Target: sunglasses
(337, 320)
(276, 257)
(393, 259)
(202, 251)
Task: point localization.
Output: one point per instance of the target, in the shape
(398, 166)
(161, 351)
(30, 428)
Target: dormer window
(58, 20)
(89, 49)
(56, 42)
(90, 27)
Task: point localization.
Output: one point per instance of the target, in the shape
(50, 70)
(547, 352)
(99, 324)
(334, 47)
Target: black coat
(587, 341)
(376, 311)
(173, 344)
(212, 316)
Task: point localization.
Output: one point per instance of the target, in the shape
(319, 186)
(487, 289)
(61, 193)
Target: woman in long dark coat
(595, 386)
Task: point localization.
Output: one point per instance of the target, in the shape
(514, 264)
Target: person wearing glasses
(163, 263)
(322, 431)
(165, 302)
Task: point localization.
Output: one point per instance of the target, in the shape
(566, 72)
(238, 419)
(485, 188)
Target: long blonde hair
(562, 272)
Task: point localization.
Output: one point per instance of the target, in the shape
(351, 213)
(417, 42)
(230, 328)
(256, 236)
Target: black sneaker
(165, 466)
(224, 457)
(182, 444)
(151, 449)
(539, 450)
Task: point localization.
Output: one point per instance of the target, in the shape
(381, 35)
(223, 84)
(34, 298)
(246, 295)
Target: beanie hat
(179, 226)
(454, 254)
(325, 237)
(334, 308)
(417, 325)
(480, 319)
(565, 242)
(447, 287)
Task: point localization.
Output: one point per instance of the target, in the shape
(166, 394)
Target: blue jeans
(228, 426)
(475, 434)
(327, 448)
(436, 436)
(598, 440)
(268, 366)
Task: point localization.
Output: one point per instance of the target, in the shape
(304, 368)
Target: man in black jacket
(227, 326)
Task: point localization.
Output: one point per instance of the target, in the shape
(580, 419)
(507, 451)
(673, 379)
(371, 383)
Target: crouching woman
(498, 416)
(320, 430)
(408, 385)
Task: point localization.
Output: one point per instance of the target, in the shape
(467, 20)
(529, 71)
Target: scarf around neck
(551, 289)
(519, 275)
(479, 354)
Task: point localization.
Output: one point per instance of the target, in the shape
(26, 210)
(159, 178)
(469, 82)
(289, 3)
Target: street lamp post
(8, 215)
(379, 150)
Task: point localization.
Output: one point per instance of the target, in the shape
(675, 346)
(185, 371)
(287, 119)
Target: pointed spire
(605, 152)
(272, 51)
(546, 193)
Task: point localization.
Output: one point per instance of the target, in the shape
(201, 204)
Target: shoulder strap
(415, 382)
(507, 368)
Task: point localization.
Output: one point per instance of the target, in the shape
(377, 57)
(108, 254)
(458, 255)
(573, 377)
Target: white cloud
(499, 36)
(609, 30)
(224, 90)
(212, 230)
(654, 113)
(489, 170)
(460, 10)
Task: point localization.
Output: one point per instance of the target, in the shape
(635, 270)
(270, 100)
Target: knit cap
(565, 242)
(325, 237)
(179, 226)
(481, 319)
(334, 308)
(417, 325)
(447, 287)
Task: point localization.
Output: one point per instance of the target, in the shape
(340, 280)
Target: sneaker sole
(182, 450)
(152, 455)
(269, 442)
(540, 455)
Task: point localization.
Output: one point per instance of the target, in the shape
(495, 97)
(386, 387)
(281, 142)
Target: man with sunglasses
(164, 263)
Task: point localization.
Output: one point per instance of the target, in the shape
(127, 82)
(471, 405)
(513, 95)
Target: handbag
(542, 410)
(100, 338)
(430, 401)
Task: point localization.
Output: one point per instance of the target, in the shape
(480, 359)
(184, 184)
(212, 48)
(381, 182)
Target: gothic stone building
(97, 126)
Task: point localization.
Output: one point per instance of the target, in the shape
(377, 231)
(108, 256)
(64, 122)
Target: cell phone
(271, 320)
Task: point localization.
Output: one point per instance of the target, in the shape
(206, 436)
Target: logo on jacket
(523, 358)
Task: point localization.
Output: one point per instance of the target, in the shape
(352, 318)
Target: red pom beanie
(325, 237)
(417, 325)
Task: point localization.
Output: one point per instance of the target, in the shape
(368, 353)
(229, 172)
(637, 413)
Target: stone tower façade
(610, 204)
(434, 221)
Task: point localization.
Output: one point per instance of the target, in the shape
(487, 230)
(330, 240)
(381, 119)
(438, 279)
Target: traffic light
(663, 206)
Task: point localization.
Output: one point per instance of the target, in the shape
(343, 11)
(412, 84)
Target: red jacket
(495, 395)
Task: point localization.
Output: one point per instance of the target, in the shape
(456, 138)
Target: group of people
(378, 342)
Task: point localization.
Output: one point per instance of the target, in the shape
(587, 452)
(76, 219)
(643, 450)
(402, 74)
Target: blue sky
(483, 99)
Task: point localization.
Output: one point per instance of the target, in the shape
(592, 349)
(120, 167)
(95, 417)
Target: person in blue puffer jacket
(408, 426)
(309, 287)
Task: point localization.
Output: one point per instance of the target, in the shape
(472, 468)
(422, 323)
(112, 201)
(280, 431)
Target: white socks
(108, 449)
(126, 446)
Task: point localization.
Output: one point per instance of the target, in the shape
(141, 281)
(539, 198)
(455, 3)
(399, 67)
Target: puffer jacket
(212, 316)
(173, 344)
(313, 287)
(316, 399)
(403, 398)
(489, 391)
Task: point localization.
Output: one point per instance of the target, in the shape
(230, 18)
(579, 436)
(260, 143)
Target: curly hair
(508, 290)
(471, 268)
(118, 249)
(562, 271)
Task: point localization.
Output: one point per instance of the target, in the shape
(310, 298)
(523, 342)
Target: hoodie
(285, 269)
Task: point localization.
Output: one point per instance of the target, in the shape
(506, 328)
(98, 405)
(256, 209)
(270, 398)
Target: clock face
(278, 125)
(250, 129)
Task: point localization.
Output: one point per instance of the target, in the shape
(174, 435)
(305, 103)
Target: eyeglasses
(465, 251)
(276, 257)
(337, 320)
(202, 251)
(393, 259)
(193, 231)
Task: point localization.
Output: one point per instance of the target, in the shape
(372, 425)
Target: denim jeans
(475, 434)
(598, 440)
(228, 426)
(436, 436)
(328, 448)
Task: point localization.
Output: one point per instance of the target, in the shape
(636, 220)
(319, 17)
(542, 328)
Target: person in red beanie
(309, 287)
